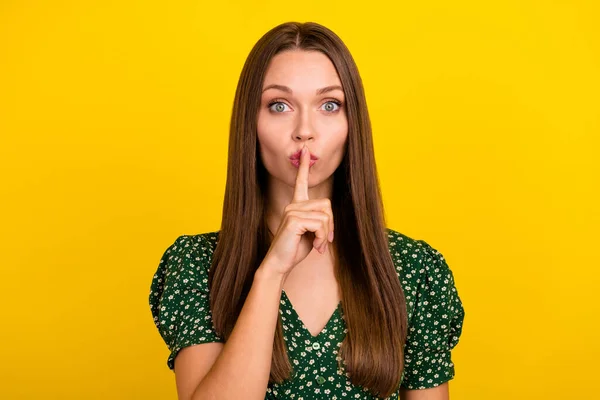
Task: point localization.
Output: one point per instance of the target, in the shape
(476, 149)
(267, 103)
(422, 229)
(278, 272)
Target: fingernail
(331, 236)
(304, 150)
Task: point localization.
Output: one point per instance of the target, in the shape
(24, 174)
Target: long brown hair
(373, 302)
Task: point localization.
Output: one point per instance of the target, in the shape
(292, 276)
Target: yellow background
(114, 126)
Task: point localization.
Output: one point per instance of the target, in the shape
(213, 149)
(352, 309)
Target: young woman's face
(301, 114)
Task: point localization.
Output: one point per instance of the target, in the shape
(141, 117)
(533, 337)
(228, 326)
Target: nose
(304, 130)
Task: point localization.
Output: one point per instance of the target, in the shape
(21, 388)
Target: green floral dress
(179, 302)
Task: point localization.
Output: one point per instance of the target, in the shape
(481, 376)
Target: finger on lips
(301, 193)
(301, 188)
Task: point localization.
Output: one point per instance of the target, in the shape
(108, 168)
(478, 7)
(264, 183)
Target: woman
(304, 292)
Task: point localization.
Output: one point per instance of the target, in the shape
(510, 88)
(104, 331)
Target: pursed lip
(296, 156)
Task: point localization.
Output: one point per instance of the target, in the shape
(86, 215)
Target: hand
(305, 224)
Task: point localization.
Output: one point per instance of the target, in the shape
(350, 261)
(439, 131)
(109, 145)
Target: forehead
(302, 71)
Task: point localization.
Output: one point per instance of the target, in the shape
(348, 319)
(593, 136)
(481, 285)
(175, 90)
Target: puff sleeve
(179, 296)
(436, 323)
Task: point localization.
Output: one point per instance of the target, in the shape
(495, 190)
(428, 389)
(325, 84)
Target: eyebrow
(319, 91)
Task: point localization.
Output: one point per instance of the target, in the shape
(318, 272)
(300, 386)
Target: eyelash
(339, 103)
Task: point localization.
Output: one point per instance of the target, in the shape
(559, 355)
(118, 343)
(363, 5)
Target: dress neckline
(327, 326)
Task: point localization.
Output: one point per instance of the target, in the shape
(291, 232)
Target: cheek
(269, 133)
(335, 128)
(264, 132)
(337, 137)
(269, 147)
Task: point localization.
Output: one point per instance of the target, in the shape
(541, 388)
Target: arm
(239, 368)
(440, 392)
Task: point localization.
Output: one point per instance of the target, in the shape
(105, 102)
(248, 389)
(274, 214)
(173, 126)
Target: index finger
(301, 188)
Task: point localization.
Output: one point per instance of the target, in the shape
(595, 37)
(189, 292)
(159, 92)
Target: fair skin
(305, 117)
(299, 116)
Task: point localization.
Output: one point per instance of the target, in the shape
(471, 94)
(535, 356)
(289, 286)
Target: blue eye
(280, 106)
(333, 102)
